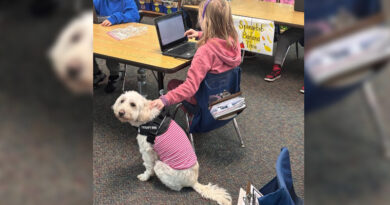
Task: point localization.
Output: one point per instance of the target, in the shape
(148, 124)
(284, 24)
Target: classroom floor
(274, 118)
(346, 164)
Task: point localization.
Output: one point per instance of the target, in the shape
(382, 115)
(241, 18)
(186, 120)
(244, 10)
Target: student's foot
(302, 90)
(112, 84)
(97, 78)
(274, 75)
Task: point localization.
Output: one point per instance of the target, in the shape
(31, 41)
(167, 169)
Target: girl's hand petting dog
(157, 103)
(106, 23)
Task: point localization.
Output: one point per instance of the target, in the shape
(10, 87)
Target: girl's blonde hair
(217, 22)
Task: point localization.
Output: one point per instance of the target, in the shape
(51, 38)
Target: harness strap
(156, 127)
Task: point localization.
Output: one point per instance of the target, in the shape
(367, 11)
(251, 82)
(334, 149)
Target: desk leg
(160, 79)
(141, 78)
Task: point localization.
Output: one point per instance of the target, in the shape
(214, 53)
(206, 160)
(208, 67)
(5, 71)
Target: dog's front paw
(143, 177)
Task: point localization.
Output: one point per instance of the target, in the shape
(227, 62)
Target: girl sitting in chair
(218, 51)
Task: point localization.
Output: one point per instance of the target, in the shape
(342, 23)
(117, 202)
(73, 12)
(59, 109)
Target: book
(227, 107)
(249, 196)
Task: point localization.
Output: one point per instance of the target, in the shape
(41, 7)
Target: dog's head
(133, 108)
(71, 55)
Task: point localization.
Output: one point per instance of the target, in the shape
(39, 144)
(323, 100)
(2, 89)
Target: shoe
(97, 78)
(302, 90)
(112, 84)
(275, 74)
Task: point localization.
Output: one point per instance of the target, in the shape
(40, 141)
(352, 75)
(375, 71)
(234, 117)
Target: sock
(276, 67)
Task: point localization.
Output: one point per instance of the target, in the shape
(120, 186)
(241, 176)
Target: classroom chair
(280, 190)
(202, 120)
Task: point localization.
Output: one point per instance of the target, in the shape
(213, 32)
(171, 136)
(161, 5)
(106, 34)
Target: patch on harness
(154, 128)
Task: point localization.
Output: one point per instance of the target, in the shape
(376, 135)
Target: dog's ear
(144, 112)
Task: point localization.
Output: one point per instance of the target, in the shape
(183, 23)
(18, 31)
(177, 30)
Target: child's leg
(289, 37)
(113, 67)
(96, 70)
(98, 75)
(174, 83)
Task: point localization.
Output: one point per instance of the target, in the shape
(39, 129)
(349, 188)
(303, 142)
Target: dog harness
(170, 142)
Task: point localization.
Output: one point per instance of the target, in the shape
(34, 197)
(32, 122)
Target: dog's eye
(122, 101)
(75, 37)
(132, 104)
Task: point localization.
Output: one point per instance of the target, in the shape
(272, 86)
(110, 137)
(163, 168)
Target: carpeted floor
(346, 164)
(274, 118)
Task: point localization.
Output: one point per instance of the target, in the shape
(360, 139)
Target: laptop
(299, 5)
(170, 31)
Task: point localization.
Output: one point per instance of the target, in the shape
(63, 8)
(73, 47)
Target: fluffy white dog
(171, 164)
(71, 54)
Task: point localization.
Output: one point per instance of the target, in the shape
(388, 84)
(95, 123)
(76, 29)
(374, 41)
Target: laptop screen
(171, 29)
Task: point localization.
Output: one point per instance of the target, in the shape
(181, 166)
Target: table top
(141, 51)
(277, 12)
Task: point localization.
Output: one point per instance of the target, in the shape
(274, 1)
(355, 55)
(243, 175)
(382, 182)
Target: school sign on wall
(255, 35)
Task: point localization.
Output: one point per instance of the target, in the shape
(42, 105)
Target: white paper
(127, 32)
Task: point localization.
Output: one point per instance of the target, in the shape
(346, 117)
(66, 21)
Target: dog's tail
(213, 192)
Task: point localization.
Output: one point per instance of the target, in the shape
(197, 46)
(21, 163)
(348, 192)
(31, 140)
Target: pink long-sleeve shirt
(215, 57)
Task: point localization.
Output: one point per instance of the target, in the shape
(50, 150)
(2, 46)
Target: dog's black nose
(73, 71)
(121, 113)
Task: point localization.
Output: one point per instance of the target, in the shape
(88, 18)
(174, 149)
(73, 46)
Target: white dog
(169, 153)
(71, 55)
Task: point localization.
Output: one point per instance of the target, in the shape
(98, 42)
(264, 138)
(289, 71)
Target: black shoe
(97, 78)
(112, 84)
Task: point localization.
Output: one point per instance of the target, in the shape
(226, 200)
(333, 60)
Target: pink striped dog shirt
(174, 148)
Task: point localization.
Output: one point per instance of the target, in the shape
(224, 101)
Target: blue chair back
(212, 84)
(280, 190)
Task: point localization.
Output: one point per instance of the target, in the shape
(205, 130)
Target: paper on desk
(127, 32)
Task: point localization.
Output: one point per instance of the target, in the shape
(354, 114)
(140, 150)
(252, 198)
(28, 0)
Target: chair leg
(238, 132)
(188, 129)
(124, 80)
(141, 78)
(285, 56)
(377, 114)
(242, 55)
(297, 49)
(176, 109)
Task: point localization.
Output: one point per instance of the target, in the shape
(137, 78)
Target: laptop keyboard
(183, 48)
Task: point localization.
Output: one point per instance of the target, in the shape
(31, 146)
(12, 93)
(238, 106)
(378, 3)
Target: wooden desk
(141, 51)
(277, 12)
(150, 13)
